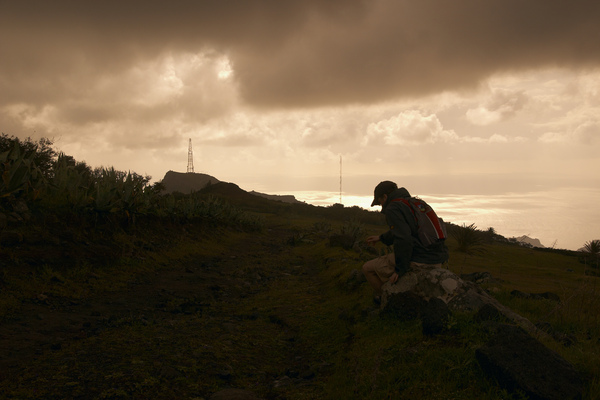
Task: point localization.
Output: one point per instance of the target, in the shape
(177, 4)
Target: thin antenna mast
(341, 180)
(190, 166)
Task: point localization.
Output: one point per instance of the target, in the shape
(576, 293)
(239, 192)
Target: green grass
(306, 320)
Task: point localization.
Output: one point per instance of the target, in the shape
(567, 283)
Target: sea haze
(559, 218)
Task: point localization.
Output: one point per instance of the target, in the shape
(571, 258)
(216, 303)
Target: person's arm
(400, 234)
(373, 239)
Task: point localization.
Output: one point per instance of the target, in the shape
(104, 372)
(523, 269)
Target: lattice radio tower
(341, 180)
(190, 167)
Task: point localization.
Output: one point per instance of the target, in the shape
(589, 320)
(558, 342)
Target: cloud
(500, 106)
(408, 49)
(136, 107)
(586, 133)
(297, 53)
(408, 127)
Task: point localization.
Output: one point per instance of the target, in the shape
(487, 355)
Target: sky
(447, 98)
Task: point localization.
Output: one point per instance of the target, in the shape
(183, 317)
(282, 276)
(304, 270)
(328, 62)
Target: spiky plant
(470, 240)
(592, 250)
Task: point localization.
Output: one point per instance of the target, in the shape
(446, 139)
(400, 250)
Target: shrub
(470, 240)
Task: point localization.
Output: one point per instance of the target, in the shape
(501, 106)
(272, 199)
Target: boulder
(411, 292)
(488, 313)
(404, 305)
(478, 277)
(519, 362)
(435, 317)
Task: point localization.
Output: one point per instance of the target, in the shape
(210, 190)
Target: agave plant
(20, 175)
(70, 187)
(592, 250)
(470, 240)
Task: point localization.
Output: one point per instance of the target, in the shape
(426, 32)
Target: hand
(372, 239)
(393, 278)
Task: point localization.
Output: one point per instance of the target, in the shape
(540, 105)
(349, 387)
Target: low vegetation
(110, 289)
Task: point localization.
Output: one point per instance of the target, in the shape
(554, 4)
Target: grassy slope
(300, 330)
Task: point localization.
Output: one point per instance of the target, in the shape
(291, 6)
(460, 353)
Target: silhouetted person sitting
(403, 235)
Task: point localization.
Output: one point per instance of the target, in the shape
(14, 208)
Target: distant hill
(186, 182)
(526, 239)
(286, 198)
(192, 182)
(235, 195)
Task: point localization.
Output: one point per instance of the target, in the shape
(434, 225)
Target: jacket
(403, 235)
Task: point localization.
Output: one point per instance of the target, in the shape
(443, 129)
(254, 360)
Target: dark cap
(385, 187)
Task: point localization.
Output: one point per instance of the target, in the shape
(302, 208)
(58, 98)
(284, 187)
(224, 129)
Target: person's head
(382, 191)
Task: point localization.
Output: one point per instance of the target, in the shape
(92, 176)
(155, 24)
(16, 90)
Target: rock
(545, 295)
(405, 306)
(409, 295)
(520, 362)
(488, 313)
(226, 372)
(234, 394)
(435, 317)
(283, 382)
(519, 294)
(477, 277)
(566, 339)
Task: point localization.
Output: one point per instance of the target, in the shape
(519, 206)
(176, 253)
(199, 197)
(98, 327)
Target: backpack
(430, 228)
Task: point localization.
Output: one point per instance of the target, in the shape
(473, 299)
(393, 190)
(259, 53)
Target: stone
(519, 294)
(519, 362)
(405, 306)
(546, 295)
(408, 296)
(477, 277)
(538, 296)
(488, 313)
(563, 338)
(435, 317)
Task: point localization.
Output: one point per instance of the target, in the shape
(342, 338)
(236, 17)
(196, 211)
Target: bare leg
(373, 280)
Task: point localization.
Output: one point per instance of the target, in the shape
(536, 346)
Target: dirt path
(198, 295)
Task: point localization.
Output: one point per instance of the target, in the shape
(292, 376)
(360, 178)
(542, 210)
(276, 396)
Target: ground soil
(48, 328)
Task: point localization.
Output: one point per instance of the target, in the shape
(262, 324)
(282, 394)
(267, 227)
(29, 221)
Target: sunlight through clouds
(409, 127)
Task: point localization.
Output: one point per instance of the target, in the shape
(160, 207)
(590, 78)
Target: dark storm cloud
(296, 53)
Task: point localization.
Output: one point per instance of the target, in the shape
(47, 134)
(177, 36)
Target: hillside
(530, 241)
(185, 309)
(193, 182)
(286, 198)
(186, 182)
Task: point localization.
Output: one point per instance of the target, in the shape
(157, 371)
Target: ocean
(564, 218)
